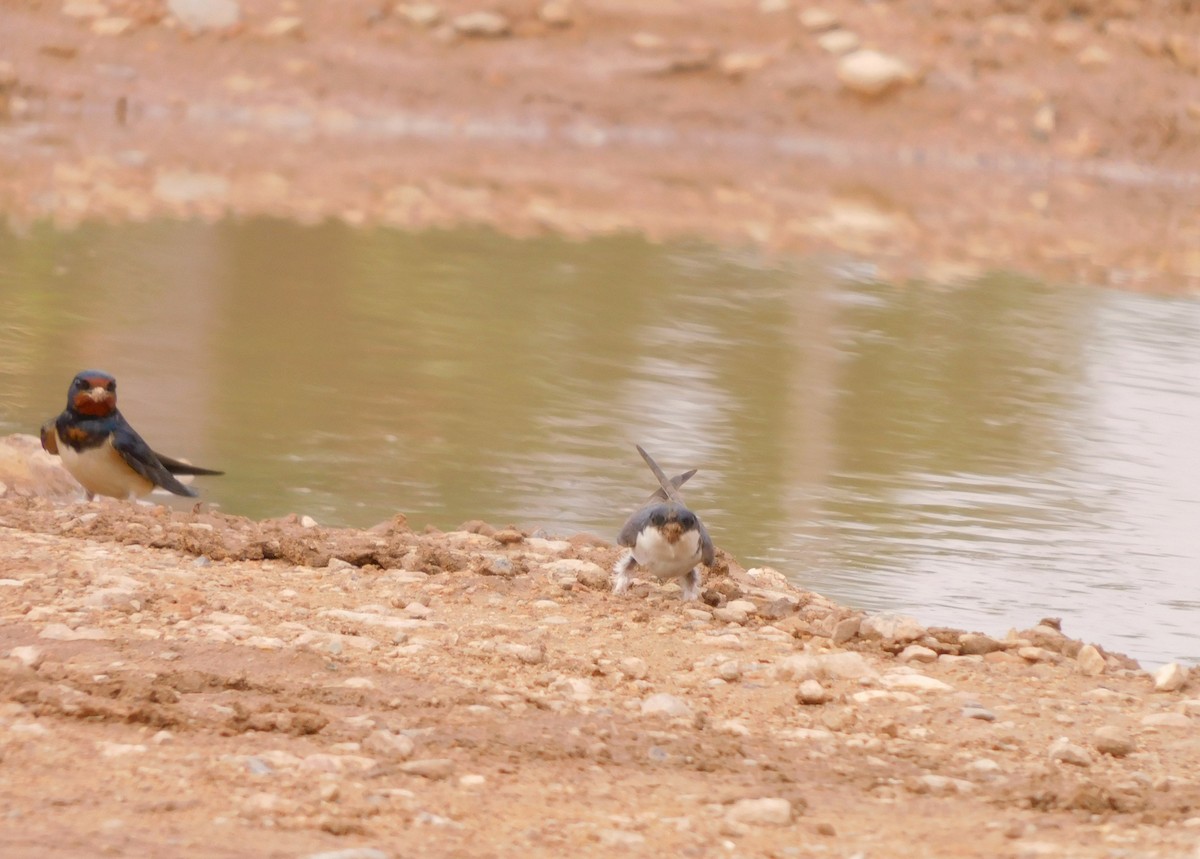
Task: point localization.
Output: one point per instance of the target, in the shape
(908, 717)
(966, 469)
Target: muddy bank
(1063, 146)
(174, 679)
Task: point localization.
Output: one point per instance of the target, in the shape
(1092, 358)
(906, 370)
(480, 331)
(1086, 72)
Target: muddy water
(978, 456)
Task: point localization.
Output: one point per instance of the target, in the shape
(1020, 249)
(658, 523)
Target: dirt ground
(187, 683)
(1057, 139)
(184, 683)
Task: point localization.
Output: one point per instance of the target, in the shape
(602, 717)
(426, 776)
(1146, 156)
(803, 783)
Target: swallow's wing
(50, 437)
(634, 525)
(667, 487)
(175, 466)
(678, 480)
(138, 456)
(707, 552)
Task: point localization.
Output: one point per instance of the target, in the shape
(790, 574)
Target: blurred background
(914, 286)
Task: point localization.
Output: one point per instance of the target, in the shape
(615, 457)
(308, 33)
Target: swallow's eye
(81, 383)
(688, 521)
(112, 386)
(658, 520)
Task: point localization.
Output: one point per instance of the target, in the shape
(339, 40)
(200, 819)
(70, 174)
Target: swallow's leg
(691, 585)
(627, 563)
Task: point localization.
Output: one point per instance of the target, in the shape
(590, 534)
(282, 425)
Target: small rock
(349, 853)
(662, 704)
(84, 9)
(981, 713)
(741, 63)
(593, 577)
(422, 15)
(729, 615)
(891, 627)
(1044, 121)
(62, 632)
(815, 19)
(647, 41)
(472, 780)
(1170, 678)
(1093, 57)
(556, 13)
(839, 42)
(986, 766)
(846, 628)
(915, 681)
(284, 26)
(1112, 740)
(917, 653)
(811, 692)
(112, 26)
(388, 744)
(1065, 751)
(620, 838)
(201, 15)
(1167, 720)
(634, 667)
(31, 656)
(977, 644)
(530, 654)
(940, 785)
(1090, 661)
(431, 768)
(482, 24)
(1038, 654)
(768, 811)
(308, 522)
(729, 671)
(871, 73)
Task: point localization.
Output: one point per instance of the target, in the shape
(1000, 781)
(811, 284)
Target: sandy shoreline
(212, 686)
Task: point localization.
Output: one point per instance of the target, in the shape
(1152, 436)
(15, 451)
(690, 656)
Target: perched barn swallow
(102, 451)
(664, 537)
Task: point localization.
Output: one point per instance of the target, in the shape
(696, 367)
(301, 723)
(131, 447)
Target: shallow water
(979, 456)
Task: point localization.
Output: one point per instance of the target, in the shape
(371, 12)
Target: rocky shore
(190, 683)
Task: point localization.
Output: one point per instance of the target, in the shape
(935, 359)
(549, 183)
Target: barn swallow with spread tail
(664, 537)
(102, 451)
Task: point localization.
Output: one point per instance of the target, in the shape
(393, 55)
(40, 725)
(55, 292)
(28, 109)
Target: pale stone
(1167, 720)
(1170, 678)
(815, 19)
(31, 656)
(811, 692)
(871, 73)
(432, 768)
(768, 811)
(1065, 751)
(919, 682)
(201, 15)
(891, 627)
(1112, 740)
(977, 644)
(662, 704)
(556, 13)
(484, 24)
(1090, 661)
(634, 667)
(839, 42)
(388, 744)
(421, 14)
(917, 653)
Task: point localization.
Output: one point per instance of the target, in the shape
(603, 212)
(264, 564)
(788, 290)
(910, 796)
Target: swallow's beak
(99, 395)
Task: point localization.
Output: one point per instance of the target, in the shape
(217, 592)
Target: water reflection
(979, 456)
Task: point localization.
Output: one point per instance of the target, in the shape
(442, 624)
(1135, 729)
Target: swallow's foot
(621, 583)
(691, 585)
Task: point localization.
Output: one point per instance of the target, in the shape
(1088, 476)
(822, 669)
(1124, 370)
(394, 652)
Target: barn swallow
(664, 537)
(102, 451)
